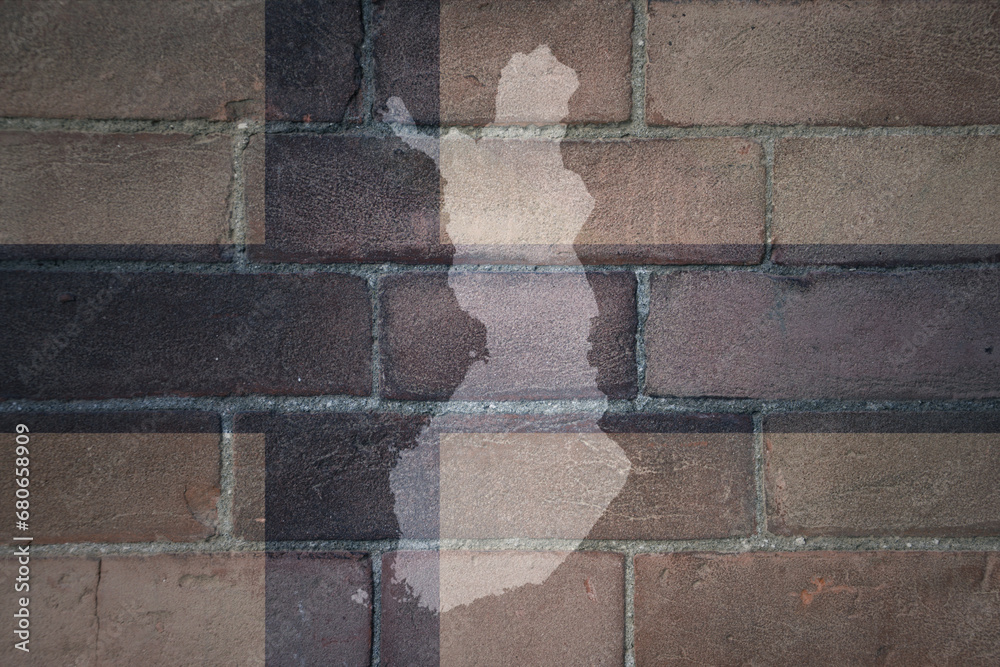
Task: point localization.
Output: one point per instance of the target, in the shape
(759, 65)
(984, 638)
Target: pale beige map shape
(511, 192)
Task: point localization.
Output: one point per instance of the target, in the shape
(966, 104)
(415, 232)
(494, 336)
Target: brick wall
(291, 399)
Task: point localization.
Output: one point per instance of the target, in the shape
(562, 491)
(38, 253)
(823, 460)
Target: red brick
(92, 335)
(319, 606)
(883, 474)
(182, 609)
(908, 335)
(62, 611)
(117, 196)
(313, 60)
(253, 188)
(150, 59)
(538, 335)
(670, 202)
(444, 60)
(349, 199)
(835, 608)
(537, 608)
(902, 199)
(860, 63)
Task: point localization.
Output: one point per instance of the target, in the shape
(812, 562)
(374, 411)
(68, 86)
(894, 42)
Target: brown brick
(886, 199)
(670, 202)
(181, 609)
(862, 63)
(151, 59)
(253, 188)
(81, 481)
(62, 611)
(349, 199)
(118, 196)
(313, 60)
(913, 334)
(835, 608)
(688, 477)
(444, 61)
(77, 335)
(539, 336)
(519, 608)
(319, 606)
(884, 474)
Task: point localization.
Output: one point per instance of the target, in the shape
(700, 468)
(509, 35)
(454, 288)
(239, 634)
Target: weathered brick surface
(331, 476)
(62, 611)
(376, 199)
(882, 200)
(253, 189)
(313, 60)
(863, 63)
(569, 610)
(118, 196)
(883, 474)
(326, 476)
(444, 59)
(150, 59)
(92, 335)
(182, 609)
(670, 202)
(826, 607)
(539, 336)
(319, 607)
(908, 335)
(85, 467)
(350, 199)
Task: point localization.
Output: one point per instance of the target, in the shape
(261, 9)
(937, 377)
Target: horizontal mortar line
(370, 270)
(627, 130)
(131, 126)
(540, 407)
(761, 544)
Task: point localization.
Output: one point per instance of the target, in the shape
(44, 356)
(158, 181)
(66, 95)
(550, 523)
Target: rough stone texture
(151, 59)
(670, 202)
(182, 609)
(886, 199)
(253, 189)
(884, 474)
(575, 615)
(861, 63)
(444, 61)
(118, 196)
(76, 335)
(62, 611)
(908, 335)
(546, 335)
(120, 487)
(319, 608)
(327, 475)
(313, 60)
(350, 199)
(834, 608)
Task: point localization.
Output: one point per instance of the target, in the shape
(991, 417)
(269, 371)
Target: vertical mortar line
(768, 196)
(374, 281)
(237, 205)
(376, 557)
(760, 513)
(630, 552)
(227, 478)
(642, 297)
(640, 21)
(368, 63)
